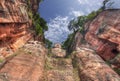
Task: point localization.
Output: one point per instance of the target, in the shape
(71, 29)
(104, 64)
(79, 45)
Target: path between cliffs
(32, 63)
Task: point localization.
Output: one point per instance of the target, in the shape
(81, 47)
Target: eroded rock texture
(14, 24)
(57, 51)
(104, 34)
(91, 67)
(27, 65)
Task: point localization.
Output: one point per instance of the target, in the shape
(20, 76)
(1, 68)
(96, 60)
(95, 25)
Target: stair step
(59, 69)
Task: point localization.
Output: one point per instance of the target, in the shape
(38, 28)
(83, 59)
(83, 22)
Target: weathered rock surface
(60, 69)
(15, 24)
(57, 51)
(103, 34)
(27, 65)
(13, 11)
(92, 68)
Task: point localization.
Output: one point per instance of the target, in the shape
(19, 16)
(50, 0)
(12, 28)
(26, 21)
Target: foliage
(73, 25)
(117, 70)
(48, 43)
(40, 24)
(77, 24)
(104, 4)
(68, 42)
(1, 60)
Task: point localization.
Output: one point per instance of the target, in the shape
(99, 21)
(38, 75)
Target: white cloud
(58, 30)
(76, 13)
(87, 6)
(113, 4)
(83, 1)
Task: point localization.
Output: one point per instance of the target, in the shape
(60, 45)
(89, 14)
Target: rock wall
(103, 33)
(91, 67)
(27, 65)
(15, 23)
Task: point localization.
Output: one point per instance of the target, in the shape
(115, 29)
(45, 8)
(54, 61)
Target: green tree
(104, 4)
(48, 43)
(73, 25)
(40, 24)
(77, 24)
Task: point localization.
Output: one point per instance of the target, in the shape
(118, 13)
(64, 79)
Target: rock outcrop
(103, 34)
(59, 68)
(91, 67)
(57, 51)
(15, 24)
(26, 65)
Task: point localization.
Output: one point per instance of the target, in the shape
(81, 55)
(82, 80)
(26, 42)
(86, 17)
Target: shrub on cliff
(48, 43)
(40, 24)
(76, 25)
(66, 44)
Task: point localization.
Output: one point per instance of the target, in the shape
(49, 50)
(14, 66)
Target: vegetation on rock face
(40, 24)
(78, 23)
(104, 4)
(48, 43)
(66, 44)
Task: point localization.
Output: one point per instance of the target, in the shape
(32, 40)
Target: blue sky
(58, 13)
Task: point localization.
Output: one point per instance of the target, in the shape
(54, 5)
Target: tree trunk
(91, 67)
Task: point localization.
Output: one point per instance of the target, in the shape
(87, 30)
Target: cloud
(87, 6)
(83, 1)
(113, 4)
(76, 13)
(58, 30)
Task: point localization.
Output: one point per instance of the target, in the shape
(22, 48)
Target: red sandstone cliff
(14, 23)
(103, 36)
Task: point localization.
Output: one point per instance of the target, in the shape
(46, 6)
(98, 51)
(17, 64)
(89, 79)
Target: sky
(58, 13)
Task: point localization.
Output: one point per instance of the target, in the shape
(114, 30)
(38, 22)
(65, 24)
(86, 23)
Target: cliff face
(15, 23)
(27, 65)
(103, 34)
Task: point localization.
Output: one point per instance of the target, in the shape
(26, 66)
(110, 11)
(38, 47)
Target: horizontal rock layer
(91, 67)
(103, 33)
(26, 65)
(15, 23)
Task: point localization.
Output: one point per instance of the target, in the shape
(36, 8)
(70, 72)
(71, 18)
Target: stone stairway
(59, 68)
(31, 63)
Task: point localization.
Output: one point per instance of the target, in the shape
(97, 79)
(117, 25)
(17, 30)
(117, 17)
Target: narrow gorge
(89, 54)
